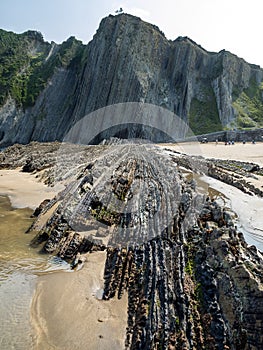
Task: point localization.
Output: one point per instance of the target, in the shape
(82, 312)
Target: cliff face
(128, 60)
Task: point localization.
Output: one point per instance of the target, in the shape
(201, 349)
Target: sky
(233, 25)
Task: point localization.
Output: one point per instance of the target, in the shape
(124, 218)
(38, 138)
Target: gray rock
(129, 60)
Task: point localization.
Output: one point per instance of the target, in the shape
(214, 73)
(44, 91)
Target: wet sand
(67, 313)
(15, 262)
(24, 189)
(248, 152)
(249, 210)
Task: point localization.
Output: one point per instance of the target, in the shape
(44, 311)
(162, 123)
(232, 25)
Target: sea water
(20, 266)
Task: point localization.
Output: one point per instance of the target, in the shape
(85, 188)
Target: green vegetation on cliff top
(249, 106)
(26, 64)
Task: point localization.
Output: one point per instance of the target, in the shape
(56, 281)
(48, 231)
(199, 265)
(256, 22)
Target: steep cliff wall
(128, 60)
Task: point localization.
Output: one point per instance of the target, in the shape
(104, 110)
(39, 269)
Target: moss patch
(203, 115)
(249, 106)
(24, 67)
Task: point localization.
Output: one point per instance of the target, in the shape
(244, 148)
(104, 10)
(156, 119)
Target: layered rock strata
(192, 281)
(128, 60)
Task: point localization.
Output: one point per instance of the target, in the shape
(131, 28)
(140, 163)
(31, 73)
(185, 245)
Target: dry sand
(24, 189)
(244, 152)
(238, 151)
(67, 314)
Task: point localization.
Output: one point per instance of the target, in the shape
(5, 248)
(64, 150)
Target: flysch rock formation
(192, 280)
(128, 60)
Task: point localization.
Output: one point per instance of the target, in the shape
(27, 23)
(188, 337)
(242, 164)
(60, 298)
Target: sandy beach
(24, 189)
(67, 312)
(248, 152)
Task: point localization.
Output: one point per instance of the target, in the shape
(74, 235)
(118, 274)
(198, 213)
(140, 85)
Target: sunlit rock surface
(192, 280)
(128, 60)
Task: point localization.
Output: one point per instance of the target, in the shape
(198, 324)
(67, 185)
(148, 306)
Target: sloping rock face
(192, 281)
(128, 60)
(191, 290)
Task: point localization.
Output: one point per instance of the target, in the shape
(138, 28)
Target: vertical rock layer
(129, 60)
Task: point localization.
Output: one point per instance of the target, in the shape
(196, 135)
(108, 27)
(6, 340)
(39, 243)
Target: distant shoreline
(244, 152)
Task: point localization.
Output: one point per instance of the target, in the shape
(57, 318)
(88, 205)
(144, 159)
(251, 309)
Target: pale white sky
(234, 25)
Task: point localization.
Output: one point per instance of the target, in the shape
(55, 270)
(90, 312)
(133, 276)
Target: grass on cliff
(203, 116)
(13, 62)
(24, 67)
(249, 106)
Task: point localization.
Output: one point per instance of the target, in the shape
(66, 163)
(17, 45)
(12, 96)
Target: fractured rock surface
(192, 280)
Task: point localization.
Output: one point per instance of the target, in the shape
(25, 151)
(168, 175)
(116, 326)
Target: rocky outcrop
(195, 290)
(232, 172)
(192, 280)
(129, 60)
